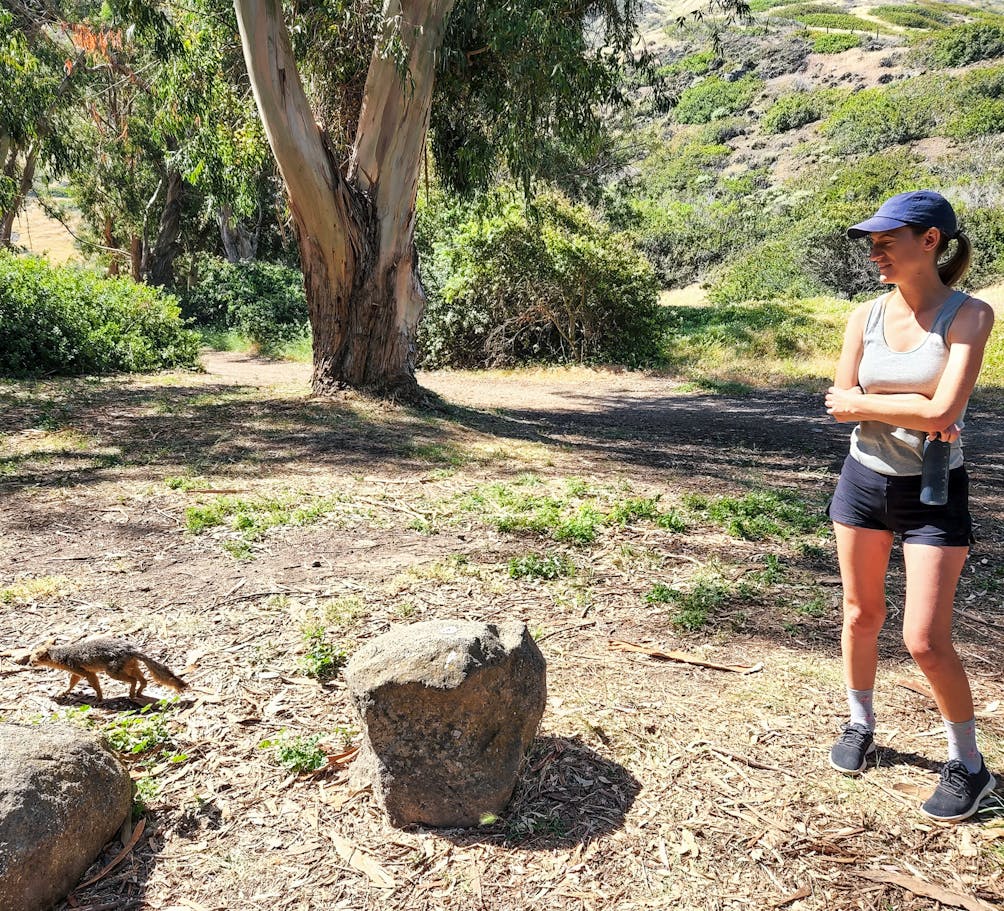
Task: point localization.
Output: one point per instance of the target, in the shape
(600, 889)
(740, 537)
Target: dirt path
(217, 517)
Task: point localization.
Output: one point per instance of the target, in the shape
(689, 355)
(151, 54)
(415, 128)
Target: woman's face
(903, 254)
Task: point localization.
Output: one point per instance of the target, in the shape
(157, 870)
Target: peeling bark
(355, 234)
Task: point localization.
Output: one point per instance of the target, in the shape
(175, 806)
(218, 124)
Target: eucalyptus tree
(496, 80)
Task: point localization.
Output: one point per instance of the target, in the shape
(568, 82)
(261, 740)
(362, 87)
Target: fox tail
(163, 675)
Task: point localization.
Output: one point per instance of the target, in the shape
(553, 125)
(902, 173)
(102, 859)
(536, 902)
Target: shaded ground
(651, 785)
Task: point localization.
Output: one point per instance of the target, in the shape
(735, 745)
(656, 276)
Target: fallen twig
(752, 763)
(621, 645)
(566, 629)
(804, 892)
(343, 758)
(915, 685)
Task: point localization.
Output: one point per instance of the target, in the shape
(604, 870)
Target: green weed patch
(322, 659)
(541, 566)
(298, 754)
(759, 515)
(249, 520)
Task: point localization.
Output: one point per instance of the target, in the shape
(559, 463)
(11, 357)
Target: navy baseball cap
(923, 208)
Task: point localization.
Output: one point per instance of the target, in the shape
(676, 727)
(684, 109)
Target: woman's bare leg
(864, 558)
(932, 575)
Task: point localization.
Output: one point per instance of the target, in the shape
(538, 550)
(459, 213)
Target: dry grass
(40, 234)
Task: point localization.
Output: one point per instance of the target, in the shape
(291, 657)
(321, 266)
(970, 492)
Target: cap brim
(874, 225)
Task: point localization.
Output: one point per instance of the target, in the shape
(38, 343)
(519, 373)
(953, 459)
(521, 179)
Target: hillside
(804, 118)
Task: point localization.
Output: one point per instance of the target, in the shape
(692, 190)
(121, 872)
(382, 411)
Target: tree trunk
(238, 242)
(113, 264)
(20, 195)
(355, 234)
(136, 257)
(160, 265)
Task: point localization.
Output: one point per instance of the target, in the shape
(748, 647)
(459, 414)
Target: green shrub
(762, 6)
(912, 15)
(799, 108)
(697, 64)
(713, 98)
(321, 659)
(64, 320)
(825, 15)
(978, 104)
(981, 117)
(693, 608)
(985, 228)
(684, 217)
(298, 754)
(965, 44)
(874, 119)
(770, 270)
(678, 166)
(551, 284)
(834, 42)
(263, 301)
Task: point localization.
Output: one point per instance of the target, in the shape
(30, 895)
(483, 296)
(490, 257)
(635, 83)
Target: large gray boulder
(449, 708)
(63, 795)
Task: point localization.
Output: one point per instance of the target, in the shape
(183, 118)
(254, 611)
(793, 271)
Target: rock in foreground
(63, 795)
(448, 709)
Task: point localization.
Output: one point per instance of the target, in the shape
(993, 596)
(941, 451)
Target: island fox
(117, 658)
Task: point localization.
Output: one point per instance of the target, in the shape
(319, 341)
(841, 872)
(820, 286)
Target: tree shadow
(567, 794)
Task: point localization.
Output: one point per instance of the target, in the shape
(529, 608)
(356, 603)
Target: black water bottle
(934, 473)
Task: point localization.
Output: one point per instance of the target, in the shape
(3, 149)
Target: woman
(909, 362)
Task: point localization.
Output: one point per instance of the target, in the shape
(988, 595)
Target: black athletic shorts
(867, 499)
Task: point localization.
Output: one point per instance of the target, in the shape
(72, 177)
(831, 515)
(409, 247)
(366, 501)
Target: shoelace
(954, 778)
(854, 736)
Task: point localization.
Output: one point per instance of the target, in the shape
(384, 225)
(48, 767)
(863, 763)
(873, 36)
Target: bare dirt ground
(652, 784)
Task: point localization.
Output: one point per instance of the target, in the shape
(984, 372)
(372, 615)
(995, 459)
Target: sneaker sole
(990, 785)
(864, 763)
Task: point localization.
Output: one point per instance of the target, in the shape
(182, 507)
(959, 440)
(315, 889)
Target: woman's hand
(948, 435)
(840, 403)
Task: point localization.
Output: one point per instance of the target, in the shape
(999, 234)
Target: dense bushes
(985, 228)
(799, 108)
(834, 42)
(825, 15)
(967, 44)
(874, 119)
(912, 15)
(714, 97)
(62, 320)
(546, 284)
(771, 270)
(804, 250)
(263, 301)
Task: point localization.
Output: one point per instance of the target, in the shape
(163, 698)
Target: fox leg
(74, 680)
(92, 679)
(130, 673)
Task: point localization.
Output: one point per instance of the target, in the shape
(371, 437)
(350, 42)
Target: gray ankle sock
(962, 744)
(860, 702)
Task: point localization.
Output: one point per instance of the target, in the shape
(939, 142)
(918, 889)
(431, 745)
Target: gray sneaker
(850, 753)
(959, 792)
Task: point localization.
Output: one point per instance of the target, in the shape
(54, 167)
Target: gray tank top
(896, 450)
